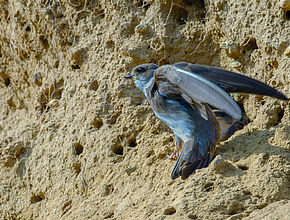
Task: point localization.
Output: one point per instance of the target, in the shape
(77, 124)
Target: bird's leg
(178, 146)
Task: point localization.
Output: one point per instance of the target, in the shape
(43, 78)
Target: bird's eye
(141, 70)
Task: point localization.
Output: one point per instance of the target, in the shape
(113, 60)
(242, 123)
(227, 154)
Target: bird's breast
(177, 117)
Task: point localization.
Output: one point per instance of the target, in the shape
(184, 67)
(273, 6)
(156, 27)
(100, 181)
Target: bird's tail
(188, 163)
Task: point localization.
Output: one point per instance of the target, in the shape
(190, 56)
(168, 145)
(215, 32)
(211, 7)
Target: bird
(193, 101)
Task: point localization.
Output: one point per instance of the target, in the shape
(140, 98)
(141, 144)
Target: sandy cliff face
(77, 141)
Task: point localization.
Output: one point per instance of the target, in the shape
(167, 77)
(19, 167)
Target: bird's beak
(129, 76)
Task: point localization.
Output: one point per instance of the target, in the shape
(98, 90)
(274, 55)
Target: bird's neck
(144, 85)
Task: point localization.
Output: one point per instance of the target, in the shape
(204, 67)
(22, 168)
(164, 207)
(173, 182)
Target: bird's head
(143, 75)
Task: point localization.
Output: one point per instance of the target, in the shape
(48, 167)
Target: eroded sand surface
(77, 141)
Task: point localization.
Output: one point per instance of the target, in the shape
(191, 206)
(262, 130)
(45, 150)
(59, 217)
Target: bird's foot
(174, 155)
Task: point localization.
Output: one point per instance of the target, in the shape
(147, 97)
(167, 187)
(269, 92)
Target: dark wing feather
(200, 89)
(231, 81)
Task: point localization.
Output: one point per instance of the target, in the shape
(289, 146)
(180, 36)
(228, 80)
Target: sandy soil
(77, 141)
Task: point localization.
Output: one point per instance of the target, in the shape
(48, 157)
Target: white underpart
(179, 121)
(144, 86)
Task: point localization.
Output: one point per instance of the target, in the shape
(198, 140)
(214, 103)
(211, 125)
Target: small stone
(235, 64)
(53, 103)
(218, 163)
(94, 85)
(233, 50)
(129, 171)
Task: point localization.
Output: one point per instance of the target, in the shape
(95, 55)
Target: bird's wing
(197, 152)
(200, 89)
(193, 121)
(231, 81)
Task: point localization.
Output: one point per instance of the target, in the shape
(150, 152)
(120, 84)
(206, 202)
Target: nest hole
(180, 15)
(50, 93)
(247, 193)
(75, 67)
(132, 143)
(266, 156)
(43, 42)
(77, 148)
(198, 9)
(192, 216)
(37, 198)
(245, 119)
(208, 186)
(243, 167)
(118, 149)
(287, 15)
(110, 44)
(201, 6)
(97, 122)
(6, 78)
(169, 211)
(250, 45)
(235, 208)
(78, 57)
(280, 115)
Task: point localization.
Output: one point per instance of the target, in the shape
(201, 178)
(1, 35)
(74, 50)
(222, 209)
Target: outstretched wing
(200, 89)
(231, 81)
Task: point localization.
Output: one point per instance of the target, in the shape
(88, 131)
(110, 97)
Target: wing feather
(197, 153)
(231, 81)
(201, 89)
